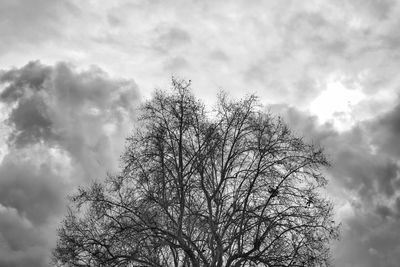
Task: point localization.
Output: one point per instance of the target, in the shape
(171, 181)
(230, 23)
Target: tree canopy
(232, 186)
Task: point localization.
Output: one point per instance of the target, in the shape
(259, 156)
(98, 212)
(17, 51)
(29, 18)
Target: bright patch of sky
(336, 104)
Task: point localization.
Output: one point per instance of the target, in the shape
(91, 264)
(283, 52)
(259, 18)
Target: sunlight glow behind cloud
(335, 104)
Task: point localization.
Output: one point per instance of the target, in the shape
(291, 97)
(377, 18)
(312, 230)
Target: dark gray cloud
(33, 76)
(32, 190)
(61, 106)
(66, 127)
(365, 174)
(31, 121)
(385, 132)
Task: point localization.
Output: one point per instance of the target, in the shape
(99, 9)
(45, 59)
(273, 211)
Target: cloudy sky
(72, 74)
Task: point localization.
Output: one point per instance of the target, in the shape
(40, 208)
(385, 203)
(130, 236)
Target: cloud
(60, 106)
(364, 183)
(175, 64)
(21, 244)
(171, 38)
(23, 23)
(282, 50)
(35, 186)
(65, 127)
(385, 132)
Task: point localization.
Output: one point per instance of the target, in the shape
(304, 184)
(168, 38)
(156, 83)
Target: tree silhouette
(227, 187)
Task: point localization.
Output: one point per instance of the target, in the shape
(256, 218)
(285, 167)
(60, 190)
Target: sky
(73, 73)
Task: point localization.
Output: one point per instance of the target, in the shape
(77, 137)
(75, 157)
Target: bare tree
(228, 187)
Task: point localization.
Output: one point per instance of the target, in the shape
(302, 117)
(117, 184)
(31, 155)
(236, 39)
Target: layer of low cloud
(64, 128)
